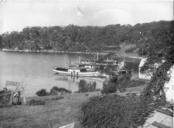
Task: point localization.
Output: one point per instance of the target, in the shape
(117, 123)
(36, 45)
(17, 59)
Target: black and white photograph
(86, 63)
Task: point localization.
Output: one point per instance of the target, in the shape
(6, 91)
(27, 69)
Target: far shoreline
(70, 52)
(52, 51)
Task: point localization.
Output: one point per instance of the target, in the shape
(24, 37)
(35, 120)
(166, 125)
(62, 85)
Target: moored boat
(77, 71)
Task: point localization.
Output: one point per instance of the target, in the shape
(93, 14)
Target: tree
(161, 50)
(77, 38)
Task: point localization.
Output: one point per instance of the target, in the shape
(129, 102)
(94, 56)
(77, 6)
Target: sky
(17, 14)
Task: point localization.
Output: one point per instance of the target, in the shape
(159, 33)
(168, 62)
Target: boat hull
(75, 73)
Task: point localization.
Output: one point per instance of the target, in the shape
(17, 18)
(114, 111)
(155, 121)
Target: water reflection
(77, 84)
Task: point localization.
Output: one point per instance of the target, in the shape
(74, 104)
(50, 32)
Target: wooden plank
(159, 125)
(165, 112)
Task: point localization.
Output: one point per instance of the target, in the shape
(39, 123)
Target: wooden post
(11, 98)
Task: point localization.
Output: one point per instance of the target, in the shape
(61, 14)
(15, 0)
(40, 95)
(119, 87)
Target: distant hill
(131, 39)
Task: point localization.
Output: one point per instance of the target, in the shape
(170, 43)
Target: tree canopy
(91, 38)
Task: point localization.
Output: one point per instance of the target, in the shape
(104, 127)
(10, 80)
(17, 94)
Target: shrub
(56, 91)
(123, 82)
(53, 91)
(91, 86)
(64, 90)
(86, 87)
(126, 83)
(83, 86)
(133, 66)
(135, 83)
(110, 86)
(112, 111)
(42, 92)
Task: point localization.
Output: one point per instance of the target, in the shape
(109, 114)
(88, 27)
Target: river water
(34, 70)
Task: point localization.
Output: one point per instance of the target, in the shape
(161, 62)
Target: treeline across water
(89, 38)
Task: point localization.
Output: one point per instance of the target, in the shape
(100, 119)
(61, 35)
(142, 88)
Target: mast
(65, 61)
(97, 56)
(79, 59)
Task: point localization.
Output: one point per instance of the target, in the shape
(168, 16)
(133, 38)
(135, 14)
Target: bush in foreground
(114, 111)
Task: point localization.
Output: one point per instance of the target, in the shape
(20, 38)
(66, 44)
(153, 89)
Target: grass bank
(55, 112)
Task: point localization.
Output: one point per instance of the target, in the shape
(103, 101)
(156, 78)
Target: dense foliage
(77, 38)
(161, 52)
(154, 92)
(114, 111)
